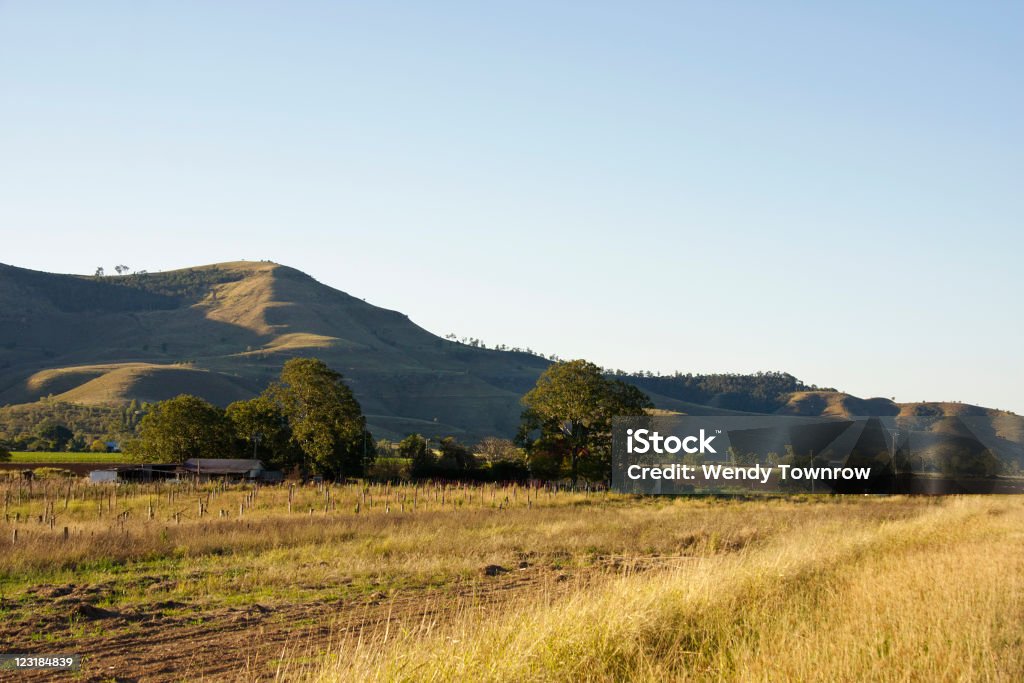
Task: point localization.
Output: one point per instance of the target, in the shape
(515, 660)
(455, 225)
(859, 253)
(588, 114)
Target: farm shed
(102, 476)
(229, 468)
(146, 472)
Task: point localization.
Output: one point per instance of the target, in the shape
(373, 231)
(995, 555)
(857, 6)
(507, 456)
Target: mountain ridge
(223, 330)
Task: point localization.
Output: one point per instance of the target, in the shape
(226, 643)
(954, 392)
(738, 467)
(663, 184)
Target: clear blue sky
(831, 189)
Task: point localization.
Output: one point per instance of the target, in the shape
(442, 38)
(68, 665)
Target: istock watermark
(684, 454)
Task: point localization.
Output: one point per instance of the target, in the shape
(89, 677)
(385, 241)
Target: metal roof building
(224, 467)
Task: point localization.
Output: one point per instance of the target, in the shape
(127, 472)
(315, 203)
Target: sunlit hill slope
(223, 331)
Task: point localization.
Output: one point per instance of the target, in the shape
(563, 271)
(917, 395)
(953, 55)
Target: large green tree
(422, 461)
(455, 455)
(263, 432)
(181, 428)
(326, 421)
(568, 417)
(54, 435)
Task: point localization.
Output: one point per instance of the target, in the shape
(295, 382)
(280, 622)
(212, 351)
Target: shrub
(389, 469)
(508, 470)
(52, 473)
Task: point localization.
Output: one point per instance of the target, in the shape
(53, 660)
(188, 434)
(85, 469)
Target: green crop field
(61, 457)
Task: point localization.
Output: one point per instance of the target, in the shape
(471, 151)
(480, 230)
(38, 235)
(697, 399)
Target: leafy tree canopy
(568, 416)
(326, 421)
(414, 447)
(57, 435)
(455, 455)
(262, 431)
(181, 428)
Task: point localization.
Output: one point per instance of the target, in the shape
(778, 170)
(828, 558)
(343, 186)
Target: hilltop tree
(263, 432)
(326, 421)
(569, 415)
(181, 428)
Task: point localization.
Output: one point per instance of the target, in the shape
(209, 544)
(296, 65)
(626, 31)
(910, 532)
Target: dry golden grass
(154, 382)
(611, 587)
(935, 597)
(108, 384)
(61, 380)
(244, 303)
(301, 340)
(398, 528)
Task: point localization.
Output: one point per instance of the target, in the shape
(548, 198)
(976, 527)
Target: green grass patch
(60, 457)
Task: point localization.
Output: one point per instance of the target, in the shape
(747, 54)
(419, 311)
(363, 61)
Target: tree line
(761, 392)
(565, 432)
(49, 425)
(309, 419)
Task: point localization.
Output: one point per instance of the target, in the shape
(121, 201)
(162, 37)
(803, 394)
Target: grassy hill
(839, 404)
(223, 331)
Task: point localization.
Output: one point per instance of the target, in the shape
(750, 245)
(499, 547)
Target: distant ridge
(222, 331)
